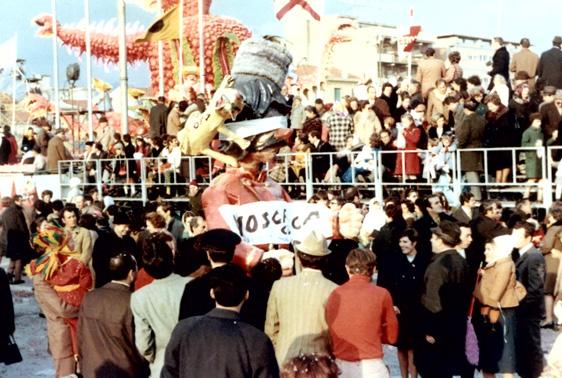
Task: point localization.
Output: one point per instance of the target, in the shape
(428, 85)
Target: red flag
(285, 6)
(410, 39)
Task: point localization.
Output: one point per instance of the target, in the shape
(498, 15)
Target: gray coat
(470, 134)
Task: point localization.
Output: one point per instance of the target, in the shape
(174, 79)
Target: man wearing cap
(110, 243)
(295, 319)
(219, 245)
(550, 64)
(56, 150)
(527, 61)
(440, 350)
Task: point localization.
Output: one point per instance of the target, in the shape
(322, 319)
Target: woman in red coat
(408, 140)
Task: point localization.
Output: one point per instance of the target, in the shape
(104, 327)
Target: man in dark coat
(158, 117)
(470, 134)
(433, 215)
(218, 344)
(500, 61)
(5, 150)
(440, 348)
(15, 236)
(530, 268)
(550, 65)
(173, 225)
(320, 163)
(219, 244)
(106, 342)
(551, 118)
(7, 319)
(110, 243)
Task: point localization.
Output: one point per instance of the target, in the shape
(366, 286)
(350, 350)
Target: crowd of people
(133, 292)
(138, 290)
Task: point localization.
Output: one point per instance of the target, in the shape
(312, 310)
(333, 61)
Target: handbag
(10, 352)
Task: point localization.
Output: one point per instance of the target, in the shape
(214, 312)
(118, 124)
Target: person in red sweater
(361, 317)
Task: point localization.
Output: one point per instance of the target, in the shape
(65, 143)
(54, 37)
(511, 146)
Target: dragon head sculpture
(45, 23)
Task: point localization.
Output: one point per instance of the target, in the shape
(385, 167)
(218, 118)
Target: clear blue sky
(536, 19)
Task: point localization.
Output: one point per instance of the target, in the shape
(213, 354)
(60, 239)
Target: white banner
(276, 222)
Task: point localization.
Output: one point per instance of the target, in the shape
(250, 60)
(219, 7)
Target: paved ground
(31, 336)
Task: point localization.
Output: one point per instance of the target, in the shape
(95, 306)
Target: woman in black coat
(7, 324)
(408, 271)
(385, 244)
(500, 132)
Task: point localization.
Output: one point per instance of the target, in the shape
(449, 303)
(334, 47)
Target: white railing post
(378, 181)
(144, 194)
(309, 179)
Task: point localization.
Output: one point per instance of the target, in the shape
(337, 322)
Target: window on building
(337, 94)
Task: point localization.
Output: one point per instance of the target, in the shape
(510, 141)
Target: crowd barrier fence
(302, 174)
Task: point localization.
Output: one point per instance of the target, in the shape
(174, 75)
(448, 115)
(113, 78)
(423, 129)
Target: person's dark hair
(309, 261)
(393, 211)
(182, 106)
(57, 205)
(102, 119)
(425, 204)
(471, 105)
(454, 57)
(71, 208)
(319, 101)
(411, 234)
(461, 82)
(88, 221)
(430, 51)
(310, 366)
(322, 195)
(47, 192)
(386, 85)
(350, 194)
(98, 146)
(529, 228)
(156, 219)
(525, 42)
(474, 80)
(127, 138)
(361, 261)
(157, 256)
(161, 99)
(465, 197)
(409, 205)
(556, 211)
(120, 265)
(266, 272)
(314, 133)
(311, 109)
(499, 40)
(486, 206)
(452, 99)
(229, 285)
(494, 99)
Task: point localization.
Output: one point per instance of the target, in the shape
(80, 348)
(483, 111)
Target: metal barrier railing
(304, 172)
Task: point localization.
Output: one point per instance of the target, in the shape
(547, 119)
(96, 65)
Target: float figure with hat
(251, 102)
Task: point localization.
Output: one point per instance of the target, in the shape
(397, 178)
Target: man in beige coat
(429, 71)
(525, 60)
(295, 320)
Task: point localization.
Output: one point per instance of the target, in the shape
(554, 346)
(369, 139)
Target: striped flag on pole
(311, 8)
